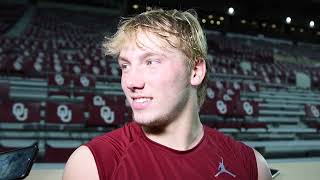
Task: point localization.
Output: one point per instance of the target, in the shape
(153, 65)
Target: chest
(149, 164)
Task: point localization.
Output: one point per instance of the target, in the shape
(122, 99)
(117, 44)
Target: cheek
(180, 77)
(123, 84)
(171, 80)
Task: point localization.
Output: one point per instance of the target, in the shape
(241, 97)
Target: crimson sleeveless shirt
(127, 154)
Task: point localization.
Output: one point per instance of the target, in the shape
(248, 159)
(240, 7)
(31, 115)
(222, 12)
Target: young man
(162, 55)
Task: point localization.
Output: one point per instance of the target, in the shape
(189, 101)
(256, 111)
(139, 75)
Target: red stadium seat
(64, 113)
(95, 70)
(57, 155)
(35, 68)
(246, 108)
(83, 84)
(252, 87)
(4, 91)
(312, 111)
(105, 110)
(220, 85)
(58, 85)
(222, 107)
(84, 81)
(238, 86)
(59, 80)
(113, 69)
(76, 69)
(207, 107)
(312, 117)
(20, 112)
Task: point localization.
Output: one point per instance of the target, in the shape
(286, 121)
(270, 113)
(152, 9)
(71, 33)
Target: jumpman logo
(222, 169)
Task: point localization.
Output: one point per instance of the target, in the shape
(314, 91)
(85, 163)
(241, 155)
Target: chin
(149, 121)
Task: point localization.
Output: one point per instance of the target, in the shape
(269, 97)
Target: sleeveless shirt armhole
(247, 157)
(114, 144)
(249, 160)
(242, 150)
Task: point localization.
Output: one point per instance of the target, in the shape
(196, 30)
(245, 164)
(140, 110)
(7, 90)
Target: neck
(182, 134)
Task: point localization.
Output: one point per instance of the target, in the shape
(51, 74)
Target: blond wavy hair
(183, 26)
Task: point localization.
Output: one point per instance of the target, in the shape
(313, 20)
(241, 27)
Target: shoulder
(220, 138)
(227, 143)
(119, 138)
(74, 168)
(103, 153)
(262, 166)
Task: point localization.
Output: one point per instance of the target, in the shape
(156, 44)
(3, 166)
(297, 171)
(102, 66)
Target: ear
(198, 72)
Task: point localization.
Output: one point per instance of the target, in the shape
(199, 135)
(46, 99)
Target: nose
(134, 80)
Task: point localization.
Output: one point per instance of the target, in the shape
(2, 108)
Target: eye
(123, 66)
(152, 61)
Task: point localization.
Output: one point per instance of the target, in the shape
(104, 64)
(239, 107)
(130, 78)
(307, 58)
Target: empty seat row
(96, 110)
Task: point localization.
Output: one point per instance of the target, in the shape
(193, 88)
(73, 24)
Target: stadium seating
(65, 114)
(105, 110)
(55, 75)
(19, 112)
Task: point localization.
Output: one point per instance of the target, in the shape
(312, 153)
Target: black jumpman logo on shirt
(222, 169)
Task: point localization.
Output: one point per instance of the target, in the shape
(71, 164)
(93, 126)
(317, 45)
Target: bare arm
(263, 169)
(81, 166)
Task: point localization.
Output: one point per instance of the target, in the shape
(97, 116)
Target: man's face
(154, 79)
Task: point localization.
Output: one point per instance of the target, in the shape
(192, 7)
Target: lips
(139, 103)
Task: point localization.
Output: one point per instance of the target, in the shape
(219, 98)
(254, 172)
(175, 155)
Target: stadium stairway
(18, 29)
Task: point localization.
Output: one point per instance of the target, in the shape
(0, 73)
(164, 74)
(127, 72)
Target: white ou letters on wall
(59, 79)
(98, 101)
(315, 111)
(84, 81)
(247, 108)
(107, 115)
(64, 113)
(210, 93)
(222, 107)
(236, 86)
(252, 87)
(20, 111)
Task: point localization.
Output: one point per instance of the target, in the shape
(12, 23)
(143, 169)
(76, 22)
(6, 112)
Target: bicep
(81, 165)
(263, 168)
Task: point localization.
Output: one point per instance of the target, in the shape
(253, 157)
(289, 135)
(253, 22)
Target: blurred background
(58, 90)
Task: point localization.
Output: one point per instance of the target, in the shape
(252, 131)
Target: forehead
(148, 41)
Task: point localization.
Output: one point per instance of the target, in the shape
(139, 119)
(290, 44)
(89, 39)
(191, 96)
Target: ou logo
(315, 111)
(210, 93)
(106, 114)
(20, 111)
(64, 113)
(247, 108)
(98, 101)
(84, 81)
(236, 85)
(59, 79)
(252, 87)
(222, 107)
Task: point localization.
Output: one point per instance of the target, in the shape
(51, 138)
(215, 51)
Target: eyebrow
(143, 56)
(123, 59)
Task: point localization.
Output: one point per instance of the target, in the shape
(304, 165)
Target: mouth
(139, 103)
